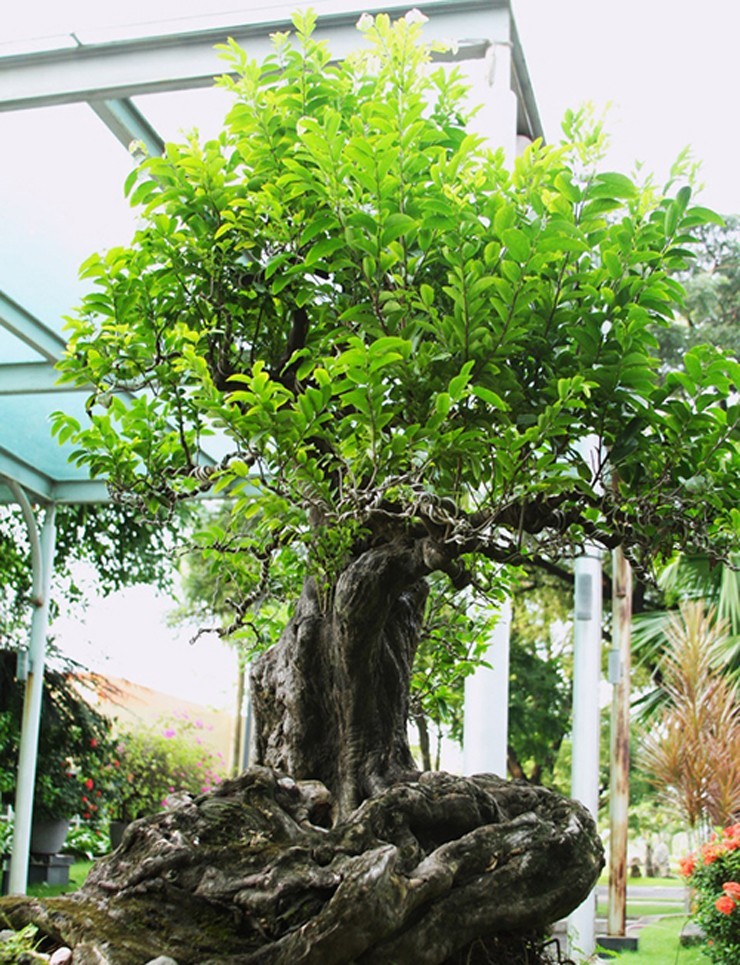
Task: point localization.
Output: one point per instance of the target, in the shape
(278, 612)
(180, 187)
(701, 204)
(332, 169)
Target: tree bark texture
(331, 698)
(249, 875)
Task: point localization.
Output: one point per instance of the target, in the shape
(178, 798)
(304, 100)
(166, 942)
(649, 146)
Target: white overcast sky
(668, 67)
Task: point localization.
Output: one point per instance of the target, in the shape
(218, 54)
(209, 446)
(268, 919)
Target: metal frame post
(586, 724)
(486, 721)
(42, 559)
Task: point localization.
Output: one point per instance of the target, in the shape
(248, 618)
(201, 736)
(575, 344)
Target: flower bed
(714, 874)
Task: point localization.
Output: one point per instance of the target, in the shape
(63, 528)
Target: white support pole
(491, 82)
(586, 725)
(42, 554)
(486, 720)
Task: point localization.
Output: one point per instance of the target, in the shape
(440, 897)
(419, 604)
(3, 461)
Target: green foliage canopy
(393, 331)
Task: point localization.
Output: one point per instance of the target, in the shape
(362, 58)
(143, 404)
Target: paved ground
(656, 893)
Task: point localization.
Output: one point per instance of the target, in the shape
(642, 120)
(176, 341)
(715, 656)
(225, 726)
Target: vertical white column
(43, 560)
(586, 725)
(491, 84)
(486, 719)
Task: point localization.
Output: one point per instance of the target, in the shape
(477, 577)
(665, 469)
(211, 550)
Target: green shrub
(73, 741)
(714, 874)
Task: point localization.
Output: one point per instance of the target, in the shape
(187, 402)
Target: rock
(162, 960)
(62, 956)
(87, 954)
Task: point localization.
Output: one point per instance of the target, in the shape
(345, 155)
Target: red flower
(89, 784)
(710, 853)
(686, 865)
(725, 904)
(732, 888)
(93, 742)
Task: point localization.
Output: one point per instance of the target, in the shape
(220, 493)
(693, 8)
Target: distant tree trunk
(425, 748)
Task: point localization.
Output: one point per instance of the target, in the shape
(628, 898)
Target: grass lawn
(77, 874)
(639, 882)
(659, 945)
(644, 908)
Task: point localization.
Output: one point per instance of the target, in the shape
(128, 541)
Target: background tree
(711, 311)
(117, 546)
(540, 678)
(403, 347)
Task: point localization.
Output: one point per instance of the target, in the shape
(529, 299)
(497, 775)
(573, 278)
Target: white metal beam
(36, 483)
(43, 489)
(121, 69)
(29, 329)
(128, 124)
(26, 378)
(77, 491)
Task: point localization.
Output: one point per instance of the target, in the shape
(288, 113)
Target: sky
(668, 68)
(128, 635)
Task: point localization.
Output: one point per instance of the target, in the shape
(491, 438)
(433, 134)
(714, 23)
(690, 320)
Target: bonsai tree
(405, 351)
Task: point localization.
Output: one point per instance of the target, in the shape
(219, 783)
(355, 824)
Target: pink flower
(169, 733)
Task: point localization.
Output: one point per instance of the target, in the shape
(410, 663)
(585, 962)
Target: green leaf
(395, 225)
(517, 243)
(612, 185)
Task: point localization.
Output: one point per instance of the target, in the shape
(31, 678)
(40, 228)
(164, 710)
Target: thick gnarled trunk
(241, 876)
(331, 698)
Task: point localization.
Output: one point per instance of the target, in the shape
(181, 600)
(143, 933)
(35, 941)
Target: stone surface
(62, 956)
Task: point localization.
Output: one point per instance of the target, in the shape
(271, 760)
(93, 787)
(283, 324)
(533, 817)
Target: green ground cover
(644, 908)
(639, 882)
(77, 874)
(659, 944)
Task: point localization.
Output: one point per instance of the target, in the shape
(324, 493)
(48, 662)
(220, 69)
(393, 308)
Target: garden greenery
(714, 875)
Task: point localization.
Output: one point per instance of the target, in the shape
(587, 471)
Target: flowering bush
(151, 765)
(714, 874)
(72, 741)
